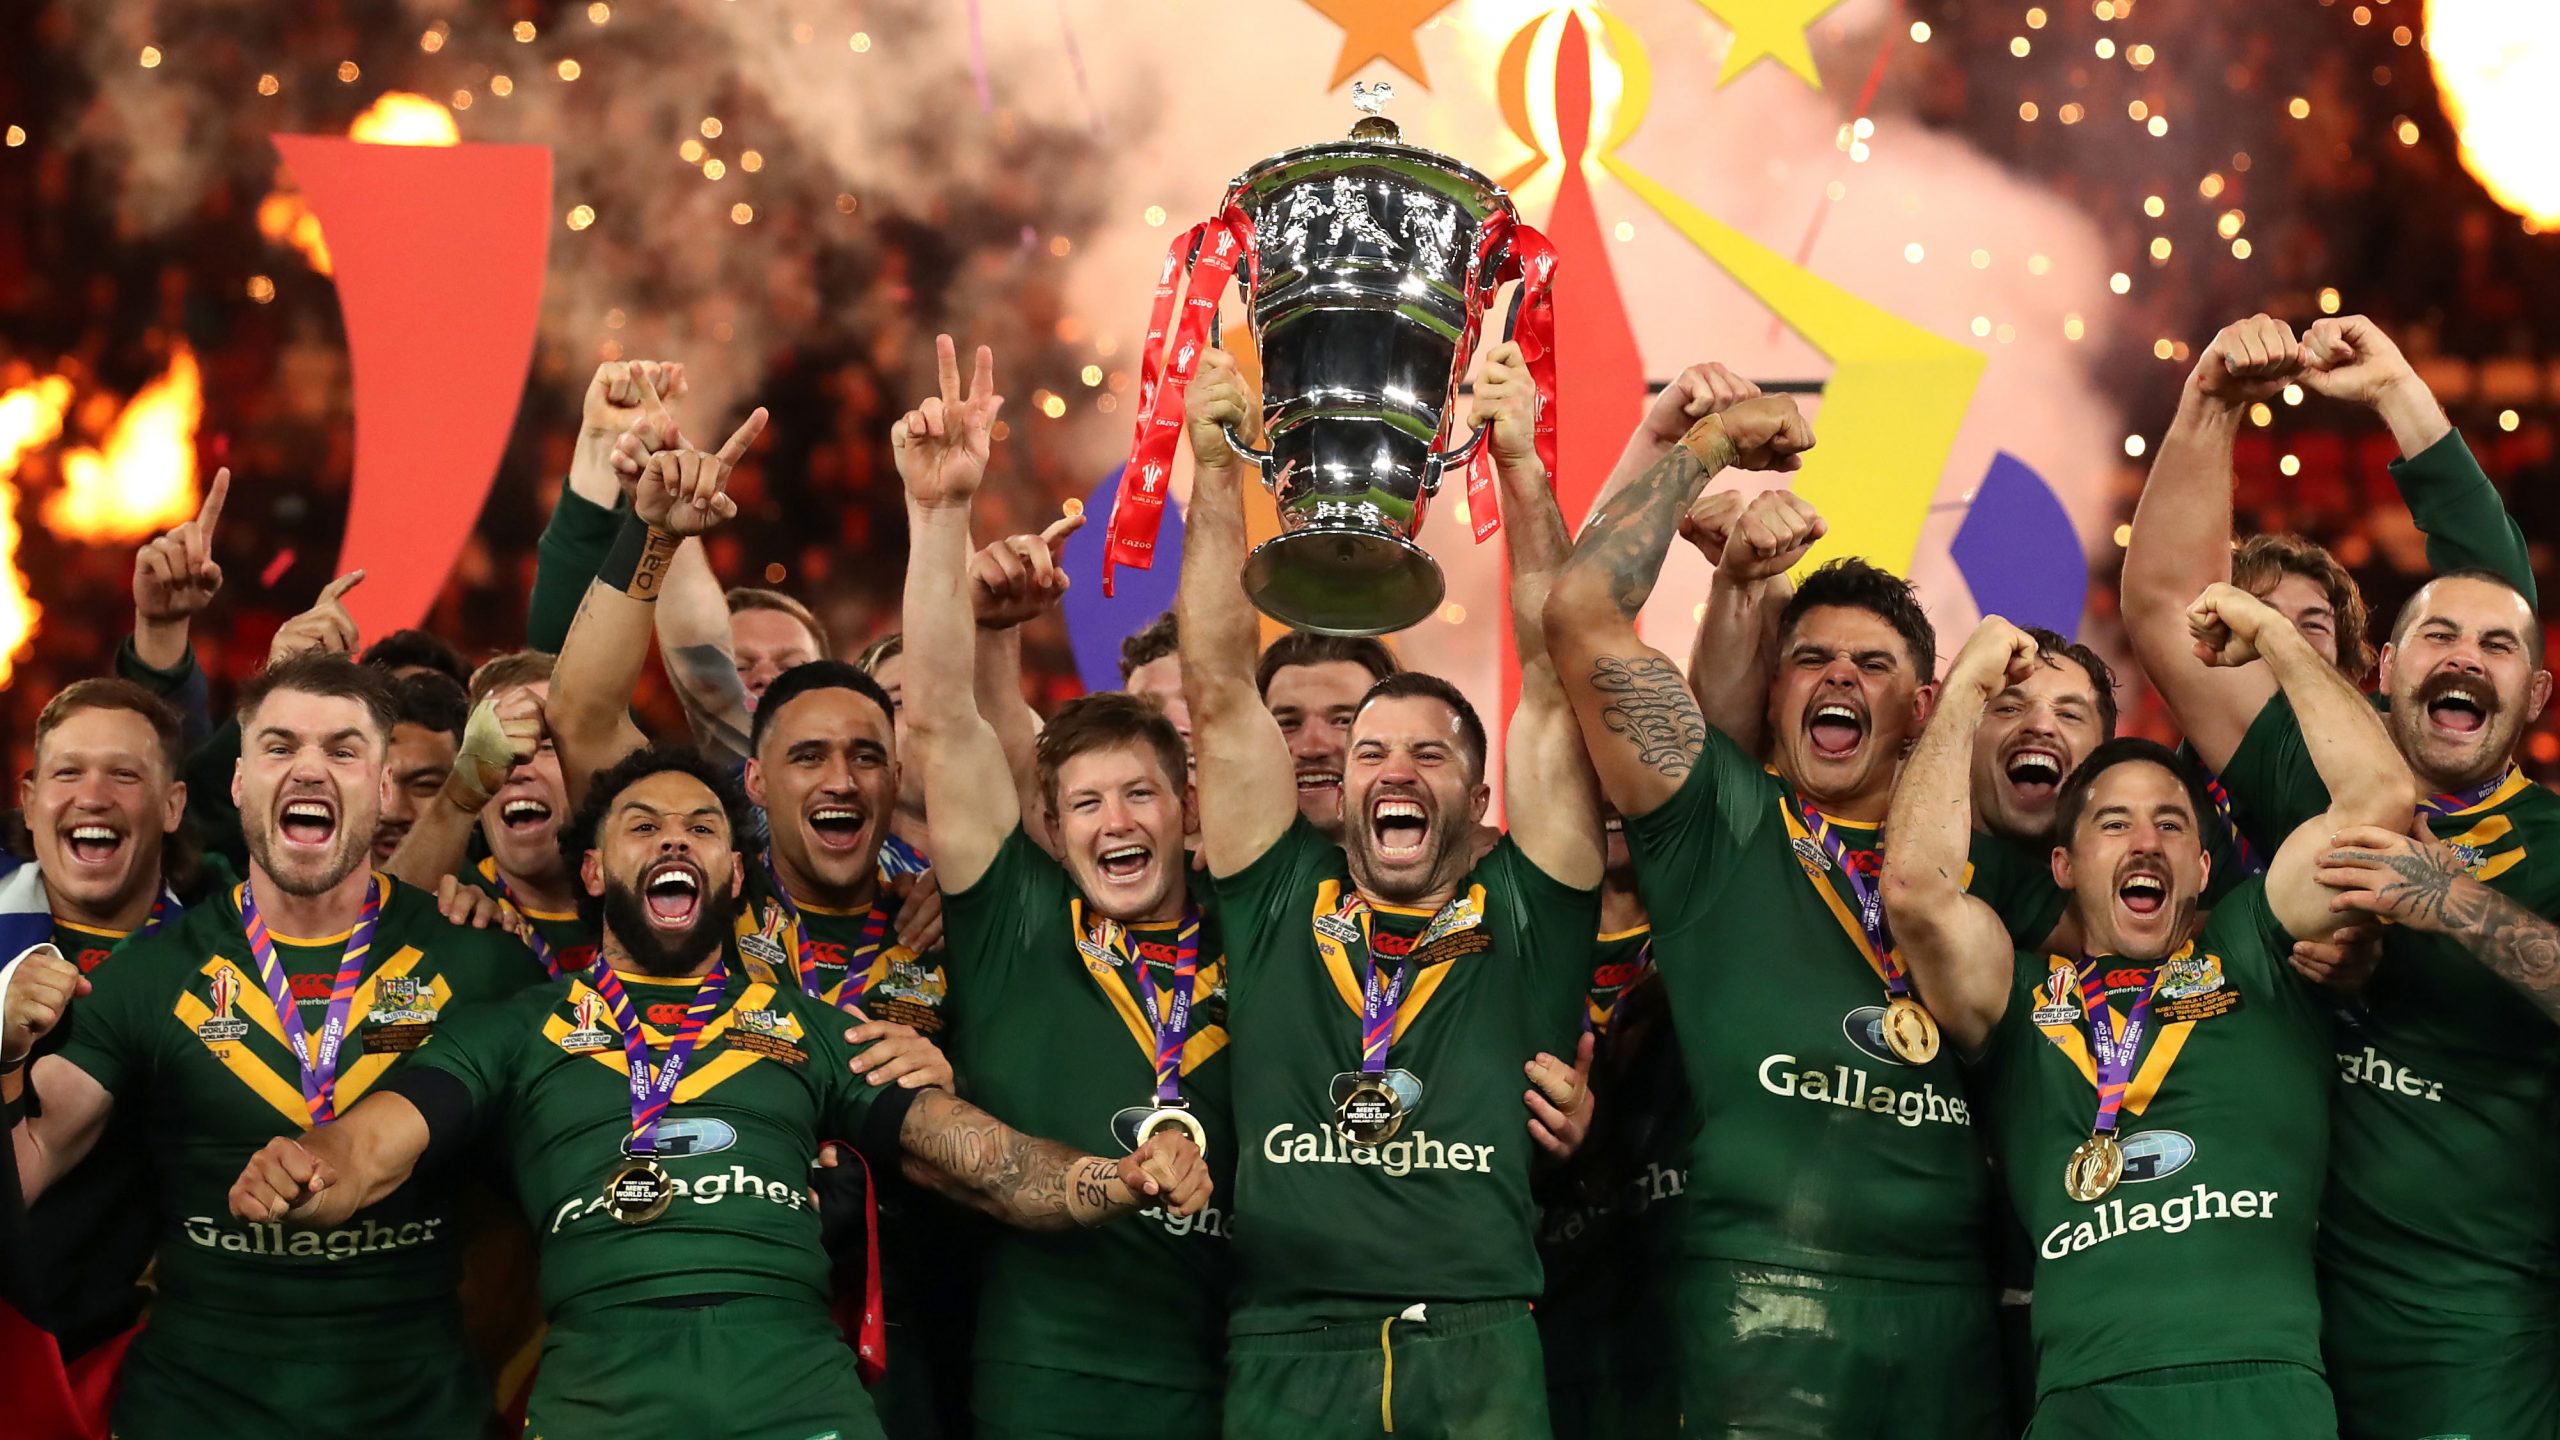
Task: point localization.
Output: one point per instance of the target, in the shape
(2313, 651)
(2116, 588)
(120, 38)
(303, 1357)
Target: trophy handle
(1443, 461)
(1261, 458)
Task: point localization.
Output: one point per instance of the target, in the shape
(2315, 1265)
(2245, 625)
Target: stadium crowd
(416, 1044)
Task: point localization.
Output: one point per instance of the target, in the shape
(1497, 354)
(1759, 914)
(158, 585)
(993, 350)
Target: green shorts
(1462, 1372)
(1636, 1401)
(1034, 1402)
(1782, 1355)
(750, 1369)
(2404, 1371)
(2259, 1401)
(191, 1376)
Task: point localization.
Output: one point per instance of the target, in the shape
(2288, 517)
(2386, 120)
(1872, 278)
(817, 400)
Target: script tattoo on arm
(1647, 705)
(962, 1152)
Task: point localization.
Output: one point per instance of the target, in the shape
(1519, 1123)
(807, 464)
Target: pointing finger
(746, 436)
(209, 514)
(1055, 537)
(330, 593)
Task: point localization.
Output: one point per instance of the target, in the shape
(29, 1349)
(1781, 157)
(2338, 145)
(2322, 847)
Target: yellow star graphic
(1770, 29)
(1380, 30)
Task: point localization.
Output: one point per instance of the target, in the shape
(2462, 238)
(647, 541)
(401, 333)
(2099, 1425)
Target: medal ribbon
(1170, 1023)
(2250, 861)
(532, 938)
(319, 1062)
(857, 970)
(2454, 802)
(1595, 1015)
(1871, 926)
(1210, 251)
(651, 1092)
(2114, 1042)
(1379, 1003)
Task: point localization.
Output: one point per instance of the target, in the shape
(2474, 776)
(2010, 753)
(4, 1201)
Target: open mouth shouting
(308, 823)
(2034, 774)
(1125, 864)
(524, 816)
(1835, 728)
(2143, 892)
(671, 891)
(837, 827)
(1399, 829)
(2459, 706)
(90, 843)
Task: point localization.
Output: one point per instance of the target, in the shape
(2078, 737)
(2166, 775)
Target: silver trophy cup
(1373, 275)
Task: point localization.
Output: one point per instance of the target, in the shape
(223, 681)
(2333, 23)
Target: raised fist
(1507, 400)
(2250, 360)
(40, 990)
(1767, 432)
(1215, 402)
(1769, 536)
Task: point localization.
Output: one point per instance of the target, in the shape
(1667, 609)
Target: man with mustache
(274, 1006)
(2436, 1297)
(1088, 989)
(1846, 1178)
(659, 1113)
(2170, 1045)
(1383, 992)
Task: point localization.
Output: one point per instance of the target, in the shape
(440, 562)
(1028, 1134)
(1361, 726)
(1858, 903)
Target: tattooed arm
(1639, 722)
(1958, 949)
(962, 1152)
(693, 633)
(2421, 884)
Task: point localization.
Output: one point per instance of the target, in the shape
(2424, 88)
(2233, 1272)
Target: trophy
(1367, 265)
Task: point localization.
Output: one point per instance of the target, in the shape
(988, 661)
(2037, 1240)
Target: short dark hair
(2533, 628)
(1417, 685)
(319, 672)
(511, 671)
(750, 597)
(416, 649)
(2053, 645)
(1162, 637)
(2126, 750)
(108, 693)
(1306, 647)
(1852, 583)
(2260, 562)
(585, 828)
(431, 699)
(1102, 721)
(799, 680)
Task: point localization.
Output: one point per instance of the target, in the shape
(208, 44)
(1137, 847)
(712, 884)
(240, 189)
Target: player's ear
(173, 808)
(755, 782)
(2062, 866)
(737, 874)
(236, 766)
(591, 873)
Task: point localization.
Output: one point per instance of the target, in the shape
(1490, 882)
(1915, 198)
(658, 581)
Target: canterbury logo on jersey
(1851, 1088)
(1289, 1145)
(708, 1189)
(276, 1238)
(2114, 1219)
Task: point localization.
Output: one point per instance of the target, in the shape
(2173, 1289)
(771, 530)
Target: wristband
(1705, 439)
(637, 563)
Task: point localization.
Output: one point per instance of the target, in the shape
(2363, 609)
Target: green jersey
(180, 1030)
(561, 939)
(1328, 1231)
(547, 1079)
(2202, 1254)
(848, 958)
(1611, 1231)
(1819, 1149)
(93, 1229)
(2445, 1142)
(1053, 1039)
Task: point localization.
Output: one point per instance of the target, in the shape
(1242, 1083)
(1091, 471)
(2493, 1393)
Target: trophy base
(1343, 582)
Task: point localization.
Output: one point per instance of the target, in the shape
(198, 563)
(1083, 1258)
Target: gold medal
(639, 1192)
(2094, 1169)
(1910, 1031)
(1371, 1114)
(1176, 1117)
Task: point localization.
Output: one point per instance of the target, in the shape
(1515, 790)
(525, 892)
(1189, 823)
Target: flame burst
(2496, 63)
(30, 417)
(397, 118)
(144, 480)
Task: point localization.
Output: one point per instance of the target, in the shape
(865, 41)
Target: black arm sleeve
(878, 1141)
(443, 1101)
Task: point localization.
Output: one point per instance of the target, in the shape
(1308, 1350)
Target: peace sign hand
(942, 444)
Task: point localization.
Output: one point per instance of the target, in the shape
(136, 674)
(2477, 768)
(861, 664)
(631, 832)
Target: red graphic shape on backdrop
(439, 253)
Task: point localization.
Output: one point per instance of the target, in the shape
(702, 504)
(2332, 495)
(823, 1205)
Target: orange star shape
(1378, 30)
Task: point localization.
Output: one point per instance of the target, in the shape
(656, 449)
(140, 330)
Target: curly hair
(585, 830)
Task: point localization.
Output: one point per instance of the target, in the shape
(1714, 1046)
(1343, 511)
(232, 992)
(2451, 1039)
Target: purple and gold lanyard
(651, 1093)
(1170, 1023)
(1897, 981)
(2114, 1049)
(1595, 1016)
(857, 970)
(2454, 802)
(533, 940)
(319, 1061)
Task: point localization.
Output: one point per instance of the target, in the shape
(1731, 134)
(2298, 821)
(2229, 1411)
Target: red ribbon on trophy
(1531, 261)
